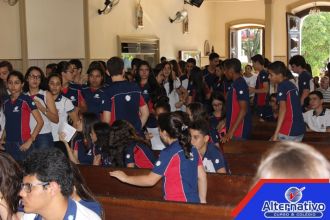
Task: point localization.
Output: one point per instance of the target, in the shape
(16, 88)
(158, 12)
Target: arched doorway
(308, 33)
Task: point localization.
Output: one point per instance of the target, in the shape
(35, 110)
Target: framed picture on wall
(186, 54)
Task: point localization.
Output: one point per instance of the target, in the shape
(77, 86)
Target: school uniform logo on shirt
(97, 96)
(145, 92)
(33, 103)
(280, 94)
(16, 109)
(128, 156)
(241, 92)
(89, 152)
(73, 98)
(158, 163)
(128, 98)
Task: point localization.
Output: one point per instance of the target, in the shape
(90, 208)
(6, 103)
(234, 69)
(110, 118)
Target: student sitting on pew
(161, 106)
(290, 123)
(317, 119)
(10, 179)
(197, 111)
(213, 159)
(84, 150)
(137, 152)
(292, 160)
(270, 111)
(47, 186)
(180, 165)
(218, 116)
(101, 138)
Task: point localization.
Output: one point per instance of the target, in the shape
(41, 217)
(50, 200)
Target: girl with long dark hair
(179, 157)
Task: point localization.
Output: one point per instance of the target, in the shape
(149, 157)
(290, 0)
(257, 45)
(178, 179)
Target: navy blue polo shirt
(123, 100)
(139, 154)
(304, 82)
(238, 92)
(94, 99)
(73, 92)
(213, 159)
(293, 123)
(18, 113)
(180, 175)
(260, 99)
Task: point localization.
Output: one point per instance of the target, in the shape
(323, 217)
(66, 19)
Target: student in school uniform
(261, 89)
(270, 112)
(290, 122)
(184, 78)
(238, 115)
(179, 164)
(305, 79)
(3, 96)
(93, 93)
(212, 157)
(318, 118)
(209, 72)
(84, 150)
(64, 107)
(69, 89)
(218, 115)
(35, 88)
(18, 109)
(136, 151)
(124, 100)
(198, 91)
(197, 111)
(47, 186)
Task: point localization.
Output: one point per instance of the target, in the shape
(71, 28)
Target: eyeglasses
(27, 187)
(35, 77)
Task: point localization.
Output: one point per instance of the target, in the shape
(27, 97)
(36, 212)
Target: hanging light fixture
(315, 10)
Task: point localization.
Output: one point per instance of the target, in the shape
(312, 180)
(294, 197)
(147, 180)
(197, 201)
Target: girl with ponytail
(180, 165)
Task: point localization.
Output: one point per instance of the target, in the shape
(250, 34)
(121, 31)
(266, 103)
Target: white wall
(10, 39)
(226, 12)
(121, 21)
(55, 29)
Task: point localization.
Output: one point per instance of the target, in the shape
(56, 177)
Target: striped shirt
(325, 93)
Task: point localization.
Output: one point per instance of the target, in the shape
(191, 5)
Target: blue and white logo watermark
(294, 208)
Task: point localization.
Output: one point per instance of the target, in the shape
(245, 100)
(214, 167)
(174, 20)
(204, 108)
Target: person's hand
(119, 175)
(61, 136)
(148, 135)
(26, 145)
(226, 138)
(274, 137)
(251, 90)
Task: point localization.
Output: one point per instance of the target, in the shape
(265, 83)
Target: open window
(246, 40)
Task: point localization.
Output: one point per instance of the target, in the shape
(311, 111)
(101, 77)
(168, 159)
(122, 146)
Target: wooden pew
(260, 147)
(222, 189)
(265, 130)
(243, 157)
(134, 209)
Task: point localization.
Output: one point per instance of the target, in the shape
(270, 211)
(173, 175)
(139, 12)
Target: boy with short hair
(209, 72)
(317, 119)
(213, 160)
(305, 79)
(124, 100)
(47, 187)
(238, 116)
(290, 122)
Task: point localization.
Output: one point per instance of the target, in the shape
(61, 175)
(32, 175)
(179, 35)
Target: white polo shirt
(317, 123)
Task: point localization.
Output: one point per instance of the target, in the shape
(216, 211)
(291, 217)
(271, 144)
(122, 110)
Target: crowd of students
(123, 119)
